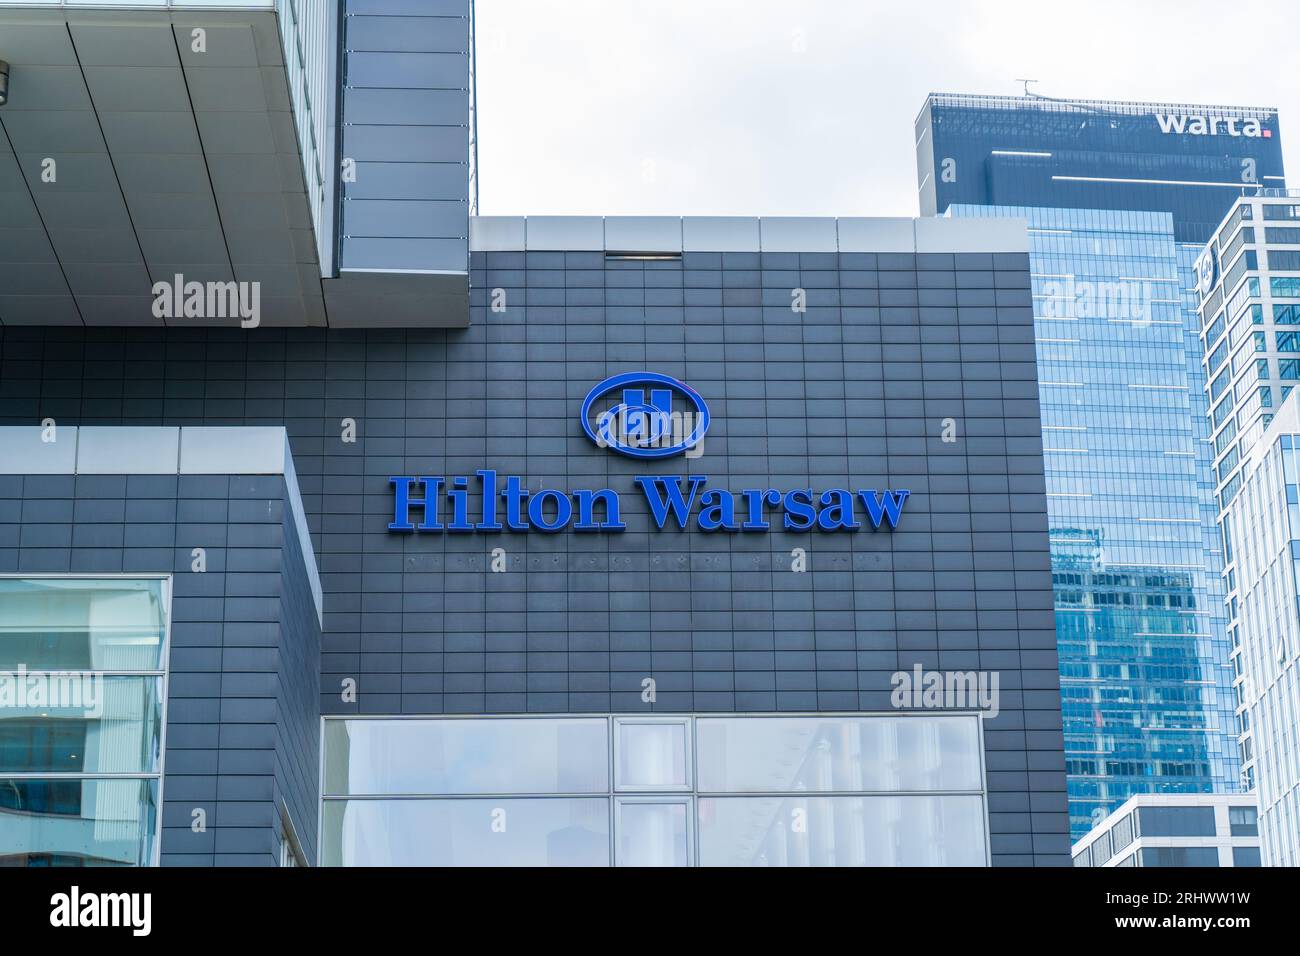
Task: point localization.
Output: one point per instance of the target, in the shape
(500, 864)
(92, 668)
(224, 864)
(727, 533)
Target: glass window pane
(842, 831)
(1180, 855)
(819, 754)
(1243, 821)
(652, 834)
(78, 822)
(61, 624)
(82, 723)
(1176, 821)
(542, 756)
(652, 755)
(476, 832)
(1246, 856)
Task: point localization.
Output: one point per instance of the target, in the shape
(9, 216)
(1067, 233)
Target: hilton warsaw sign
(646, 416)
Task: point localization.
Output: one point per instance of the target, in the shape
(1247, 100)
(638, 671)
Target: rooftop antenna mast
(1028, 91)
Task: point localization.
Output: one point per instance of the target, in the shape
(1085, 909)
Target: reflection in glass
(114, 729)
(652, 834)
(568, 755)
(838, 754)
(466, 832)
(62, 624)
(72, 822)
(651, 755)
(842, 831)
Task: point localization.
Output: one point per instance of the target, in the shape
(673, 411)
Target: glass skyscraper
(1250, 311)
(1140, 666)
(1190, 161)
(1121, 197)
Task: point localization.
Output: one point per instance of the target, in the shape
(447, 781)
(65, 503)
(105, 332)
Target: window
(1123, 832)
(1279, 213)
(1284, 260)
(1101, 851)
(95, 651)
(1243, 821)
(1286, 314)
(1175, 821)
(653, 832)
(1246, 856)
(651, 754)
(888, 790)
(1180, 855)
(1214, 332)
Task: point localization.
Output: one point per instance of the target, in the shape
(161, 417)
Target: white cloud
(769, 108)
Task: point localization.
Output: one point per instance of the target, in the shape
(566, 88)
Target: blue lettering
(489, 522)
(403, 503)
(671, 499)
(717, 511)
(886, 505)
(837, 511)
(755, 499)
(800, 515)
(515, 496)
(659, 505)
(459, 495)
(586, 511)
(563, 510)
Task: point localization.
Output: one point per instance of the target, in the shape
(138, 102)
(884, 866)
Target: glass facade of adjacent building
(1188, 163)
(1263, 523)
(1250, 314)
(1143, 671)
(82, 691)
(1206, 830)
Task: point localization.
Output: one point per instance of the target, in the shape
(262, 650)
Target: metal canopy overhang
(127, 158)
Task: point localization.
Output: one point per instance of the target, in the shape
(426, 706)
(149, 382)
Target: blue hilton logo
(646, 415)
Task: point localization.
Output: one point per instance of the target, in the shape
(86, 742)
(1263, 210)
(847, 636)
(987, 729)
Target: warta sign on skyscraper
(1182, 124)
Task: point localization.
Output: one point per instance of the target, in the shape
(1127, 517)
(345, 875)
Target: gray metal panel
(972, 235)
(498, 233)
(33, 450)
(566, 233)
(643, 233)
(103, 450)
(876, 235)
(720, 234)
(797, 234)
(406, 114)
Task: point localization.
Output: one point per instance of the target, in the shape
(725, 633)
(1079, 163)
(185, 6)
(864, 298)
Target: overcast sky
(805, 107)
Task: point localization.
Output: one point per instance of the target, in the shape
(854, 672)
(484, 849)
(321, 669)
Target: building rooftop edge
(183, 450)
(1157, 799)
(673, 235)
(1128, 107)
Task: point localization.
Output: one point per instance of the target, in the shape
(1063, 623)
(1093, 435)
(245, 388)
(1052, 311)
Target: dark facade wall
(297, 752)
(852, 393)
(242, 716)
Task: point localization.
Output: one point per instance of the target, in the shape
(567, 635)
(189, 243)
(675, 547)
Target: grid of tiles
(856, 391)
(243, 727)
